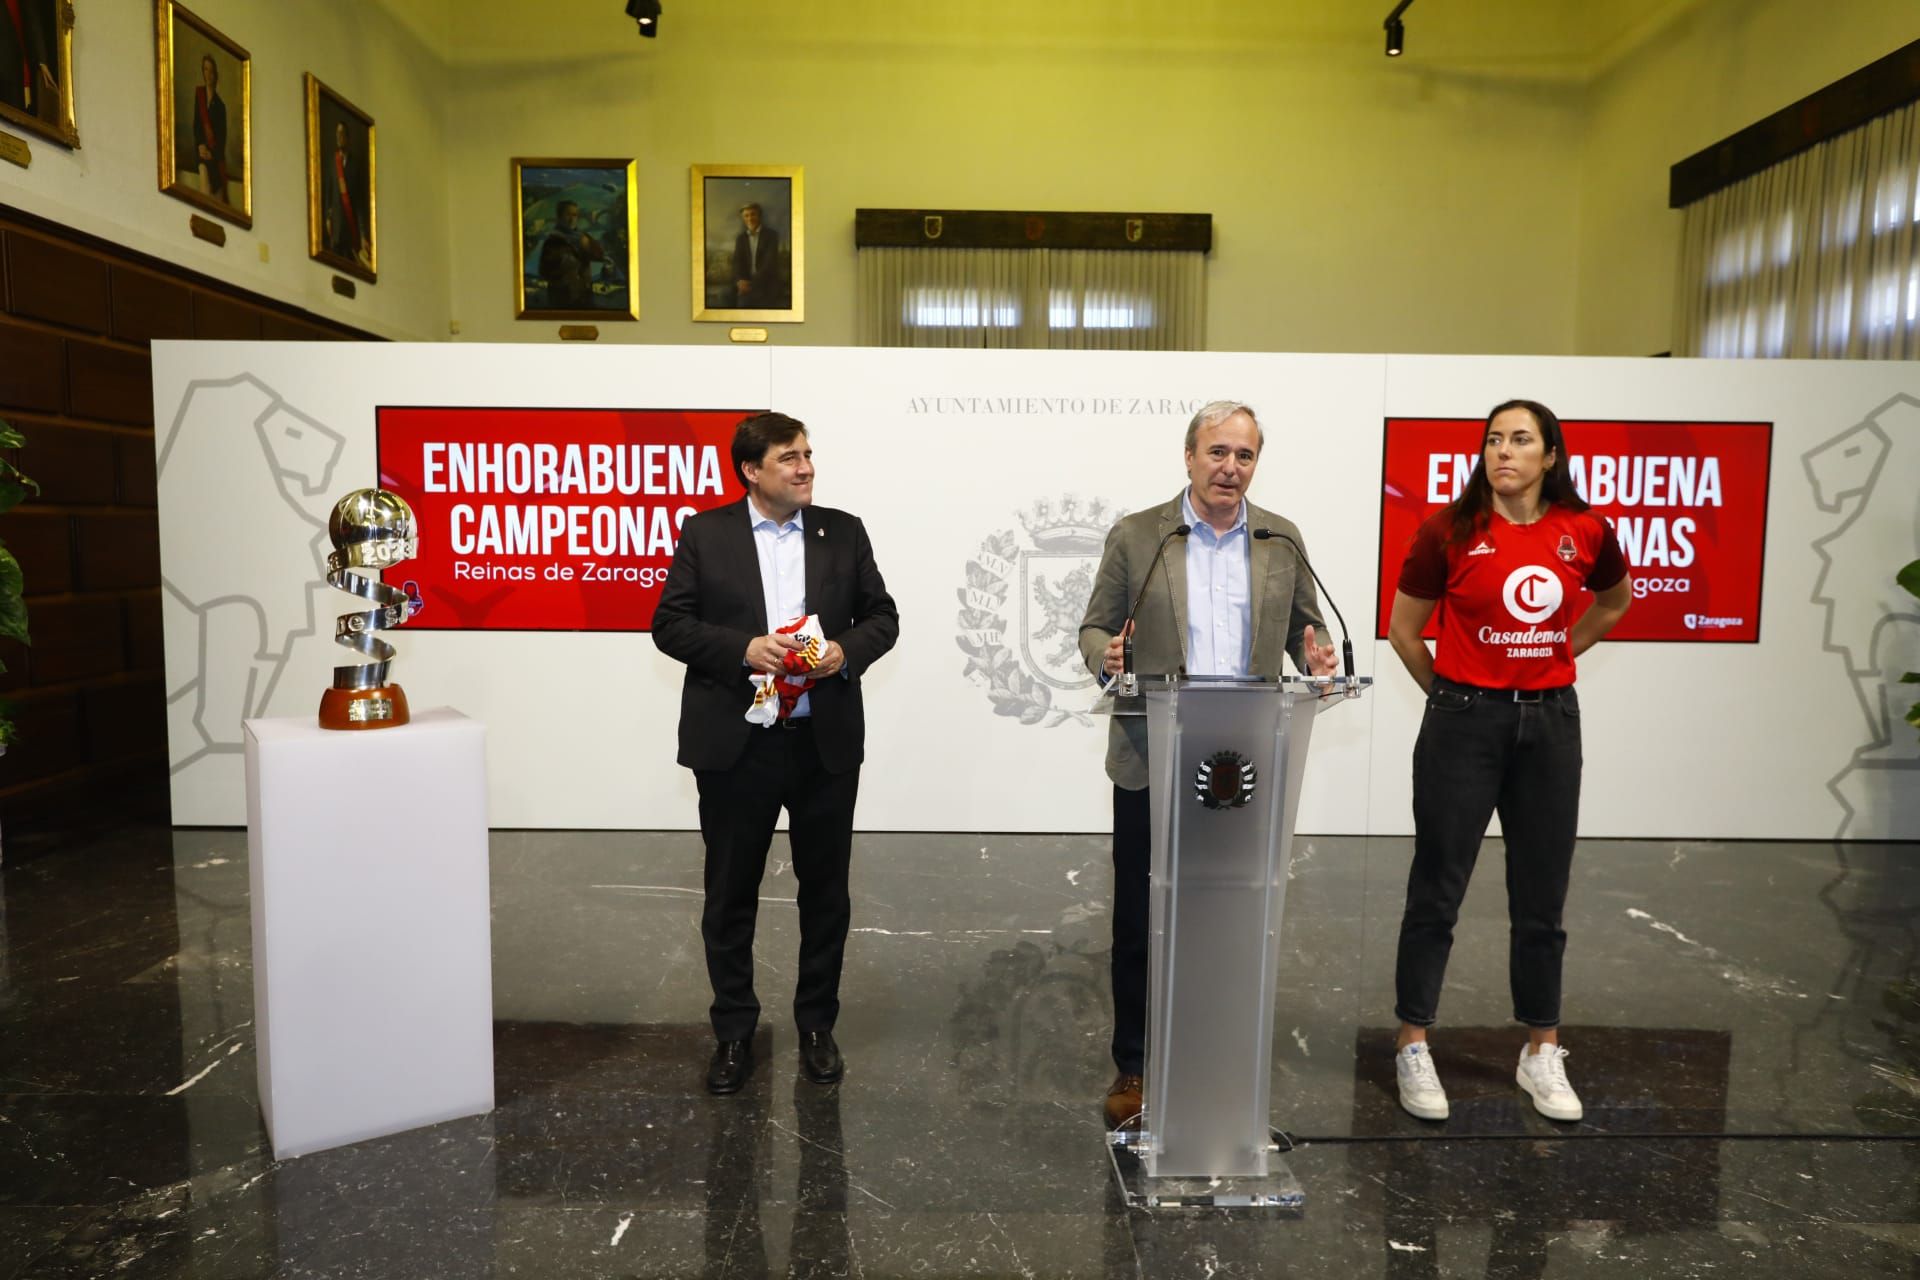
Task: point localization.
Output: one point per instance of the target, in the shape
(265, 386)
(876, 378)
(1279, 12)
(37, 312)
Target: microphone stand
(1346, 640)
(1130, 683)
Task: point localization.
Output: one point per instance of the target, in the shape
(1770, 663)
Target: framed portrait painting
(749, 243)
(206, 114)
(36, 68)
(343, 208)
(574, 240)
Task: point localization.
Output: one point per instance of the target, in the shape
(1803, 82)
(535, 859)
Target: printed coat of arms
(1020, 610)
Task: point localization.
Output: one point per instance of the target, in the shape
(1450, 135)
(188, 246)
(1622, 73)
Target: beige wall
(1488, 193)
(1360, 204)
(110, 186)
(1719, 67)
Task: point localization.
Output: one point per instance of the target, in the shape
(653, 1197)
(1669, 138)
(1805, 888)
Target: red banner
(1687, 501)
(549, 519)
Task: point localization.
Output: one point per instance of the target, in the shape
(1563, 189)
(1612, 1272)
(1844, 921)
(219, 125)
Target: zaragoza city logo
(1020, 610)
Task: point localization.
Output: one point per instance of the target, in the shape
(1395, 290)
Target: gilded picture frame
(36, 36)
(204, 159)
(575, 239)
(738, 276)
(343, 184)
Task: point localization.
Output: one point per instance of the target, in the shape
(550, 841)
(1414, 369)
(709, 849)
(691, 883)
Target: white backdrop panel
(941, 452)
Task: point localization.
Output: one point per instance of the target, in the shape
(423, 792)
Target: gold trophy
(371, 529)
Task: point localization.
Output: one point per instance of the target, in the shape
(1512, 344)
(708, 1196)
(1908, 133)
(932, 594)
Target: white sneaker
(1420, 1091)
(1544, 1078)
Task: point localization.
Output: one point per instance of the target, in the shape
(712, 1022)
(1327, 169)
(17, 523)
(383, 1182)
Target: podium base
(1278, 1190)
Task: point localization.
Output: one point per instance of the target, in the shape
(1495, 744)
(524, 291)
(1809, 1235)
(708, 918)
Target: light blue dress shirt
(782, 550)
(1219, 595)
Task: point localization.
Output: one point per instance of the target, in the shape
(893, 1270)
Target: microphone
(1346, 641)
(1129, 686)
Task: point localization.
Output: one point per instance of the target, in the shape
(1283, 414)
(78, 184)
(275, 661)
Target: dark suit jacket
(713, 606)
(769, 289)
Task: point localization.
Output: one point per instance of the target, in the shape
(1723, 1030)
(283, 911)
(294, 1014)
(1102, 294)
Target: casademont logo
(1532, 593)
(1020, 609)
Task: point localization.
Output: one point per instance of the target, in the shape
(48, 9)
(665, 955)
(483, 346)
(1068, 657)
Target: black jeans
(738, 809)
(1132, 859)
(1481, 751)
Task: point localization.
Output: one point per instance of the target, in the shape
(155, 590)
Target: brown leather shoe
(1123, 1102)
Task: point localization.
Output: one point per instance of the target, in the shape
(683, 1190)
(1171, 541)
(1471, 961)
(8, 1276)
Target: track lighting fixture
(647, 14)
(1397, 30)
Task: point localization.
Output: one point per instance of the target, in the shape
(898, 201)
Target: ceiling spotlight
(647, 14)
(1396, 29)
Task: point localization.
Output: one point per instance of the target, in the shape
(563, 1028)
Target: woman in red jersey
(1504, 564)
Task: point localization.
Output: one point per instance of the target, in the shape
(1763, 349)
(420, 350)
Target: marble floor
(1744, 1021)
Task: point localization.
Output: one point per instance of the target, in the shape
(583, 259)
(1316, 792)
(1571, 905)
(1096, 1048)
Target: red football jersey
(1510, 593)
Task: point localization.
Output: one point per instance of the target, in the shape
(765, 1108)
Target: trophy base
(381, 707)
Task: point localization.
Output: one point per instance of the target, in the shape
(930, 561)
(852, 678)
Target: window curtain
(1814, 257)
(1036, 298)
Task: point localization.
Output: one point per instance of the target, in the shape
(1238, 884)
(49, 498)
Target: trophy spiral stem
(356, 630)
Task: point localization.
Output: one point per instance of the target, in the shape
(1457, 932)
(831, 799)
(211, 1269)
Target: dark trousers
(1480, 751)
(738, 808)
(1132, 853)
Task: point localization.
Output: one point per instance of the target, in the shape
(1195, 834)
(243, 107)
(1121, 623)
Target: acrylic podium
(1225, 758)
(372, 952)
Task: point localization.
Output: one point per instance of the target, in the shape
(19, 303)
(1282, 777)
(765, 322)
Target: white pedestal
(372, 949)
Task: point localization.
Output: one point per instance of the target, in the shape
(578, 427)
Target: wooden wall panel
(74, 465)
(42, 541)
(148, 306)
(223, 318)
(77, 317)
(277, 328)
(139, 481)
(126, 719)
(145, 650)
(33, 369)
(113, 551)
(109, 383)
(51, 282)
(50, 737)
(76, 637)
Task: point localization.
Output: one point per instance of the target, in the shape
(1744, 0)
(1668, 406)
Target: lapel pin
(819, 533)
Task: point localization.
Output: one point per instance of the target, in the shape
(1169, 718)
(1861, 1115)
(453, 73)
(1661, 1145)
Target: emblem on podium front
(1224, 780)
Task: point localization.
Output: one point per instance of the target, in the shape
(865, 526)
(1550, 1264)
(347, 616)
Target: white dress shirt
(1219, 595)
(782, 550)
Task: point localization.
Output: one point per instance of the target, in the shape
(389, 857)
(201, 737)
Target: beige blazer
(1283, 604)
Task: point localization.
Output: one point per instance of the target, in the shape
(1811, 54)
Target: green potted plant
(1909, 578)
(14, 488)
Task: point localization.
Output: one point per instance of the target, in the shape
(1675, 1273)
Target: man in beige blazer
(1222, 602)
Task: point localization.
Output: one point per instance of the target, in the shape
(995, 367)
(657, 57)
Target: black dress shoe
(732, 1064)
(820, 1059)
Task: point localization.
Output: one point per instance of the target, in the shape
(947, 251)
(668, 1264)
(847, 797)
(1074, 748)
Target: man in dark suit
(1223, 603)
(757, 278)
(740, 574)
(210, 130)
